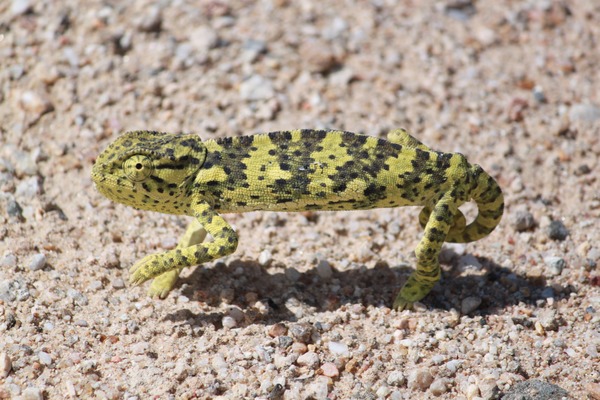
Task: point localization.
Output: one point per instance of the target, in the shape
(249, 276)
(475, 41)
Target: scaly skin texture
(293, 171)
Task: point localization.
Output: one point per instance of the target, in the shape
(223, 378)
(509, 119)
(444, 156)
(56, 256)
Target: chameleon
(296, 170)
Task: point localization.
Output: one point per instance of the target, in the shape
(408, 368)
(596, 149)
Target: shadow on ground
(309, 293)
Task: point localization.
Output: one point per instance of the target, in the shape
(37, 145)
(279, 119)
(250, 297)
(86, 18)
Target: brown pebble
(278, 329)
(317, 55)
(593, 390)
(516, 109)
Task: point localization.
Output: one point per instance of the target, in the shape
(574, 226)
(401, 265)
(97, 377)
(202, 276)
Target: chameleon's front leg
(224, 243)
(427, 273)
(163, 283)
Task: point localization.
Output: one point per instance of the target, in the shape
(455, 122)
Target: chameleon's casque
(293, 171)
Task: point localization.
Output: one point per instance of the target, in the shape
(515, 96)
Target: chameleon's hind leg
(162, 284)
(427, 273)
(458, 226)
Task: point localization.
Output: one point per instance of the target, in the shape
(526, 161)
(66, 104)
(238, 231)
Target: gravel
(517, 307)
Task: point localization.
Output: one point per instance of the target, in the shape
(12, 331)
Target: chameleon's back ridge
(293, 170)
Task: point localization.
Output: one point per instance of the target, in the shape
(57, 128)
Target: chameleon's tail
(490, 203)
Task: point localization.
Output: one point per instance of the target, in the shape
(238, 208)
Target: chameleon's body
(293, 171)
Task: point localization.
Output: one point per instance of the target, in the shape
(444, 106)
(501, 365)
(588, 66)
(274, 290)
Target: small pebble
(584, 112)
(396, 378)
(329, 369)
(523, 221)
(453, 365)
(317, 55)
(548, 319)
(593, 390)
(5, 365)
(37, 262)
(118, 283)
(264, 258)
(14, 209)
(309, 359)
(28, 188)
(256, 88)
(151, 21)
(324, 270)
(419, 379)
(45, 358)
(277, 329)
(140, 347)
(8, 261)
(470, 304)
(556, 230)
(535, 389)
(338, 348)
(488, 388)
(36, 103)
(302, 332)
(555, 265)
(229, 322)
(382, 392)
(285, 341)
(32, 393)
(469, 261)
(19, 7)
(472, 391)
(203, 39)
(292, 274)
(439, 387)
(78, 297)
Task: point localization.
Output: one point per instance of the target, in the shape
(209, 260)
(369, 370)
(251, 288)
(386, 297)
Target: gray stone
(523, 221)
(584, 112)
(557, 231)
(470, 304)
(535, 390)
(555, 265)
(37, 262)
(324, 269)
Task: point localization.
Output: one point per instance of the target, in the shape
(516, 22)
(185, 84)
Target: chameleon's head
(150, 170)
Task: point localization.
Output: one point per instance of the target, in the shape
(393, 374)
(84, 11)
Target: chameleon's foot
(401, 304)
(163, 284)
(411, 292)
(146, 268)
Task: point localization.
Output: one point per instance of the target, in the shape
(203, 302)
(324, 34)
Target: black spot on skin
(284, 167)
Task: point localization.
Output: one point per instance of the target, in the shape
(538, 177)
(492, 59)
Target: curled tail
(490, 204)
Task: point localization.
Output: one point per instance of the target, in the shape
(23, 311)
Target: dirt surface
(301, 310)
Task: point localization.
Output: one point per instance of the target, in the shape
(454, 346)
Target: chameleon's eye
(137, 168)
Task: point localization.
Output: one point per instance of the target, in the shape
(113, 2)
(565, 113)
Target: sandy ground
(301, 310)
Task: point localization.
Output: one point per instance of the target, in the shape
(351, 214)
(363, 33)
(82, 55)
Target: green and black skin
(294, 170)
